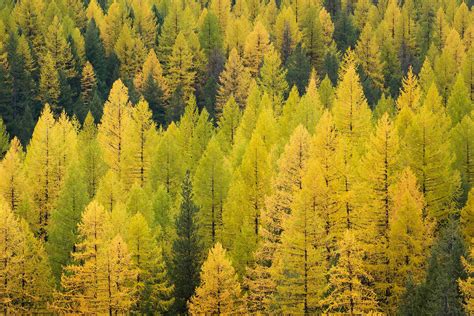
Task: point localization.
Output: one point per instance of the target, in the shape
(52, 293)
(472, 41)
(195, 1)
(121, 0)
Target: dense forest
(237, 157)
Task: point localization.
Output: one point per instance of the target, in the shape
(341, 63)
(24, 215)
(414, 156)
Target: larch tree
(113, 126)
(142, 137)
(154, 289)
(227, 125)
(278, 207)
(257, 45)
(233, 81)
(211, 182)
(151, 70)
(221, 8)
(60, 50)
(41, 164)
(102, 277)
(90, 155)
(351, 111)
(187, 248)
(459, 103)
(368, 56)
(62, 229)
(12, 183)
(130, 51)
(426, 152)
(323, 186)
(89, 97)
(272, 79)
(461, 143)
(286, 32)
(348, 291)
(219, 291)
(298, 267)
(378, 173)
(168, 167)
(180, 67)
(467, 285)
(467, 218)
(410, 237)
(256, 171)
(49, 89)
(25, 277)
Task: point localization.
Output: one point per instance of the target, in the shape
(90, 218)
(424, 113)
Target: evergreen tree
(298, 66)
(187, 249)
(219, 291)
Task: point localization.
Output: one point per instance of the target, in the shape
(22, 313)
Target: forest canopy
(237, 157)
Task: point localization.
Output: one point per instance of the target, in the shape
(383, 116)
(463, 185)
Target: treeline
(217, 158)
(68, 53)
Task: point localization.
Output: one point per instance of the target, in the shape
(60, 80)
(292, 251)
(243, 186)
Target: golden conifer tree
(410, 237)
(348, 291)
(211, 182)
(219, 291)
(257, 45)
(113, 127)
(233, 81)
(12, 177)
(180, 67)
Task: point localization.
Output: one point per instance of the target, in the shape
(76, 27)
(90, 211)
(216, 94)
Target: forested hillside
(237, 157)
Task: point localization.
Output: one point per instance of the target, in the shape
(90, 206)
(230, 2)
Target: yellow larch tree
(219, 291)
(102, 280)
(272, 79)
(25, 276)
(324, 186)
(130, 51)
(298, 267)
(227, 125)
(462, 136)
(467, 285)
(351, 111)
(467, 218)
(153, 287)
(410, 237)
(181, 74)
(286, 32)
(12, 177)
(233, 81)
(427, 153)
(277, 207)
(256, 47)
(41, 162)
(151, 70)
(378, 173)
(113, 126)
(348, 291)
(142, 136)
(211, 182)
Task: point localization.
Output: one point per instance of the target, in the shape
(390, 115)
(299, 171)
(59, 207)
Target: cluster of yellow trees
(256, 157)
(305, 208)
